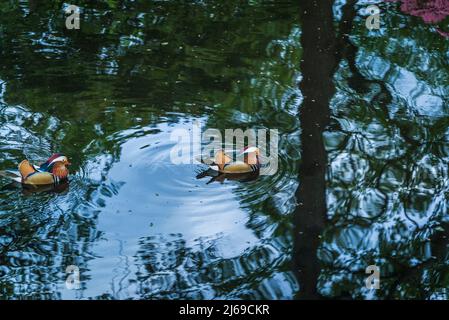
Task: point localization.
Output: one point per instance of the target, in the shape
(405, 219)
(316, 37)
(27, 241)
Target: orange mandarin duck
(224, 164)
(222, 167)
(52, 172)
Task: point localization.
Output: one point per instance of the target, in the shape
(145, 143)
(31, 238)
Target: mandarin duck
(222, 167)
(53, 171)
(224, 164)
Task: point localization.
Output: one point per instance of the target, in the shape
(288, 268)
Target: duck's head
(57, 164)
(251, 155)
(249, 150)
(58, 157)
(56, 160)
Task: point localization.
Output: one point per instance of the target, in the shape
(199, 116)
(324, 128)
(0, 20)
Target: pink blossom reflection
(431, 11)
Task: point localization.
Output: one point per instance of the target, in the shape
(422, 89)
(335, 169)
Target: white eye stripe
(62, 158)
(251, 149)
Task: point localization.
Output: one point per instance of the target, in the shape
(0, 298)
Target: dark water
(363, 166)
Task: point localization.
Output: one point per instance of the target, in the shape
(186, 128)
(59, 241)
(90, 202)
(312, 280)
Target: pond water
(363, 122)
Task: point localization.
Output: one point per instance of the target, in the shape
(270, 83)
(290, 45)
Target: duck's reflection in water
(31, 189)
(222, 177)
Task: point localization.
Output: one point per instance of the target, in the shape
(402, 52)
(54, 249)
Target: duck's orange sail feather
(26, 169)
(221, 158)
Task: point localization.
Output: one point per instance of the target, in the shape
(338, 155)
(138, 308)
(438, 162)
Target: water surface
(139, 227)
